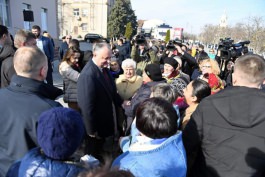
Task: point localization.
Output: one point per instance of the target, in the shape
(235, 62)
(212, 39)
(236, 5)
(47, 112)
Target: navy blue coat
(48, 47)
(63, 49)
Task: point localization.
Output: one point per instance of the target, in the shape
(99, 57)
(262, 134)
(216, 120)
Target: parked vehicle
(91, 37)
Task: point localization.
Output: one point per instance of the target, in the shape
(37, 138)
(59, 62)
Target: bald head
(31, 62)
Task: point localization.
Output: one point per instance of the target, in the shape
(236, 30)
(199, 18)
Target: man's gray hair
(128, 63)
(23, 36)
(99, 46)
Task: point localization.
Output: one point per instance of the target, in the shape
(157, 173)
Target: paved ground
(57, 79)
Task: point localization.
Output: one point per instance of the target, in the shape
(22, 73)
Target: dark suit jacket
(48, 47)
(63, 49)
(95, 98)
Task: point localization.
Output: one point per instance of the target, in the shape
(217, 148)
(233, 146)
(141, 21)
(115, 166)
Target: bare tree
(255, 31)
(238, 32)
(252, 29)
(209, 33)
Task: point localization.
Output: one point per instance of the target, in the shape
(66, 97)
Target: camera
(178, 42)
(172, 43)
(228, 49)
(145, 57)
(140, 39)
(170, 46)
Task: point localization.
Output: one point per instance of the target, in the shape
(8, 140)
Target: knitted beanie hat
(60, 132)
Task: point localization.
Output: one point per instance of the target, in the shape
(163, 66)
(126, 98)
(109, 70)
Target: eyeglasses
(206, 66)
(68, 38)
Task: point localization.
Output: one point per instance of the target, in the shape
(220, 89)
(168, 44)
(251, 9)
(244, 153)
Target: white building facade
(160, 31)
(79, 17)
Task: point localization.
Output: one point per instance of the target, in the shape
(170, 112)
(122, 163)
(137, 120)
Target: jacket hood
(240, 106)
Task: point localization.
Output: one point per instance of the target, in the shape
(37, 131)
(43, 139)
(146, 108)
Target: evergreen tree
(129, 30)
(120, 15)
(167, 38)
(131, 17)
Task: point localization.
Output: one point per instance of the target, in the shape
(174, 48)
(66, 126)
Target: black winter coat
(21, 104)
(227, 129)
(96, 99)
(188, 63)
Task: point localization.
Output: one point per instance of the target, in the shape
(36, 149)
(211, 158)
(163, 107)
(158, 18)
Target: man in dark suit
(45, 45)
(64, 46)
(98, 98)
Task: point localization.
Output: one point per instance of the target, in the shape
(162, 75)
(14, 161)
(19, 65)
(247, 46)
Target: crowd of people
(135, 108)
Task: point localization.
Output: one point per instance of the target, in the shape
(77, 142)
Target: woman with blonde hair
(210, 73)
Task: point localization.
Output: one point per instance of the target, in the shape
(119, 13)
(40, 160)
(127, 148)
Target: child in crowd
(167, 92)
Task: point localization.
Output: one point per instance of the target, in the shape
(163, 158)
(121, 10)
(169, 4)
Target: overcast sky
(192, 15)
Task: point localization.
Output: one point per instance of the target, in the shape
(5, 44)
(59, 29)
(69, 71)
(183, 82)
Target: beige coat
(127, 87)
